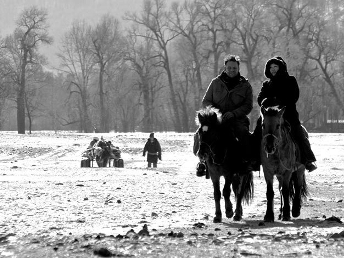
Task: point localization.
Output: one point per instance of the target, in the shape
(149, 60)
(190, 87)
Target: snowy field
(51, 207)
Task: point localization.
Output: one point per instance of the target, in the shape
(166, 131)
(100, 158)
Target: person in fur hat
(283, 89)
(231, 93)
(153, 149)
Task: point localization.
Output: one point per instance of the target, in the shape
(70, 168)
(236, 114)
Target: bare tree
(215, 22)
(31, 31)
(77, 61)
(124, 101)
(326, 50)
(107, 47)
(155, 18)
(248, 20)
(5, 83)
(186, 19)
(142, 55)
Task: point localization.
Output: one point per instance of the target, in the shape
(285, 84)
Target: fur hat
(278, 61)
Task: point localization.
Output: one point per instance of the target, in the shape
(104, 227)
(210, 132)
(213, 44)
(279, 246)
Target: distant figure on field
(153, 149)
(90, 149)
(93, 142)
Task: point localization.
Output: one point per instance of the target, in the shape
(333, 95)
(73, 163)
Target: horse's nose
(269, 148)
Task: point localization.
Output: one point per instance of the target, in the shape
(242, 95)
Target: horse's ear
(281, 111)
(199, 116)
(263, 110)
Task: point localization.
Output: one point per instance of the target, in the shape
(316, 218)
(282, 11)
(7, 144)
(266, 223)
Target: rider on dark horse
(282, 89)
(231, 93)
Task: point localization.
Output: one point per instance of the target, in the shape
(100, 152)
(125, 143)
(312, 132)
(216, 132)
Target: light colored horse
(280, 157)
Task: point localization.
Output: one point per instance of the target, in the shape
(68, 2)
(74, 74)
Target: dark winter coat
(230, 94)
(282, 89)
(153, 149)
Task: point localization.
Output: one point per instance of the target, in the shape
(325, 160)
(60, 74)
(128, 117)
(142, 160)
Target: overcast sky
(61, 14)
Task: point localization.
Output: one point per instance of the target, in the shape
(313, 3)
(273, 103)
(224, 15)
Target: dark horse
(280, 156)
(218, 146)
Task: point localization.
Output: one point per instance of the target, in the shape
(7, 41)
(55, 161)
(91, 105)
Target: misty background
(125, 66)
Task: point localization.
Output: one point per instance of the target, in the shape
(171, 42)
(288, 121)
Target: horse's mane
(208, 115)
(272, 111)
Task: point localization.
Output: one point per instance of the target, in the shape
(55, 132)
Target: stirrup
(201, 169)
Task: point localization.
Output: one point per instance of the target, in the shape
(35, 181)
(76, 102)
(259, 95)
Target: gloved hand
(228, 115)
(159, 156)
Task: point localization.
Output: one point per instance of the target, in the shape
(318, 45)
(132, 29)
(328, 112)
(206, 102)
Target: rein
(212, 154)
(276, 145)
(276, 142)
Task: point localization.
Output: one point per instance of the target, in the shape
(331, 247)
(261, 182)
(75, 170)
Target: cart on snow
(105, 155)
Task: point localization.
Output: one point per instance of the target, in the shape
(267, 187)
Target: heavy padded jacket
(153, 149)
(282, 89)
(233, 95)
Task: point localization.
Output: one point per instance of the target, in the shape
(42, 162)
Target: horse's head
(272, 120)
(208, 120)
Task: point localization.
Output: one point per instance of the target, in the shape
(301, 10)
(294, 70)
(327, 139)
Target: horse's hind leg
(238, 210)
(298, 181)
(217, 198)
(238, 191)
(226, 194)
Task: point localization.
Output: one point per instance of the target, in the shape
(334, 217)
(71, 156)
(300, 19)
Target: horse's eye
(278, 126)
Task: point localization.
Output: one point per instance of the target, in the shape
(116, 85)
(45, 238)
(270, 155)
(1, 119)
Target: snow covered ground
(51, 207)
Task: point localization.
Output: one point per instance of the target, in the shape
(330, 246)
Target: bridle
(278, 140)
(276, 143)
(209, 145)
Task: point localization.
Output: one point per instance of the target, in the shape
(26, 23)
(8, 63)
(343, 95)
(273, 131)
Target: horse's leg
(298, 182)
(297, 196)
(281, 201)
(269, 179)
(238, 210)
(217, 198)
(238, 185)
(285, 180)
(226, 195)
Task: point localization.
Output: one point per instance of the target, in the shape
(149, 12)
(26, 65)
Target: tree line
(151, 74)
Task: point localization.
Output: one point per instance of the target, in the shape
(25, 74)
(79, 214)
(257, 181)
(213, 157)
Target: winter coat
(230, 94)
(153, 149)
(282, 89)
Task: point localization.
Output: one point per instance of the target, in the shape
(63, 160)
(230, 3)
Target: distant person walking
(153, 149)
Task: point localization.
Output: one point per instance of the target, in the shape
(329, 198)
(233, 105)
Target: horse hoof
(286, 219)
(269, 219)
(229, 214)
(296, 212)
(237, 218)
(217, 220)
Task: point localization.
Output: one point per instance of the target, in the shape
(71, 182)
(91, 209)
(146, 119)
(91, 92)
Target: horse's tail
(243, 187)
(296, 181)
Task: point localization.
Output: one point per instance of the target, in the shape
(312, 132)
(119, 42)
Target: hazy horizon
(61, 14)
